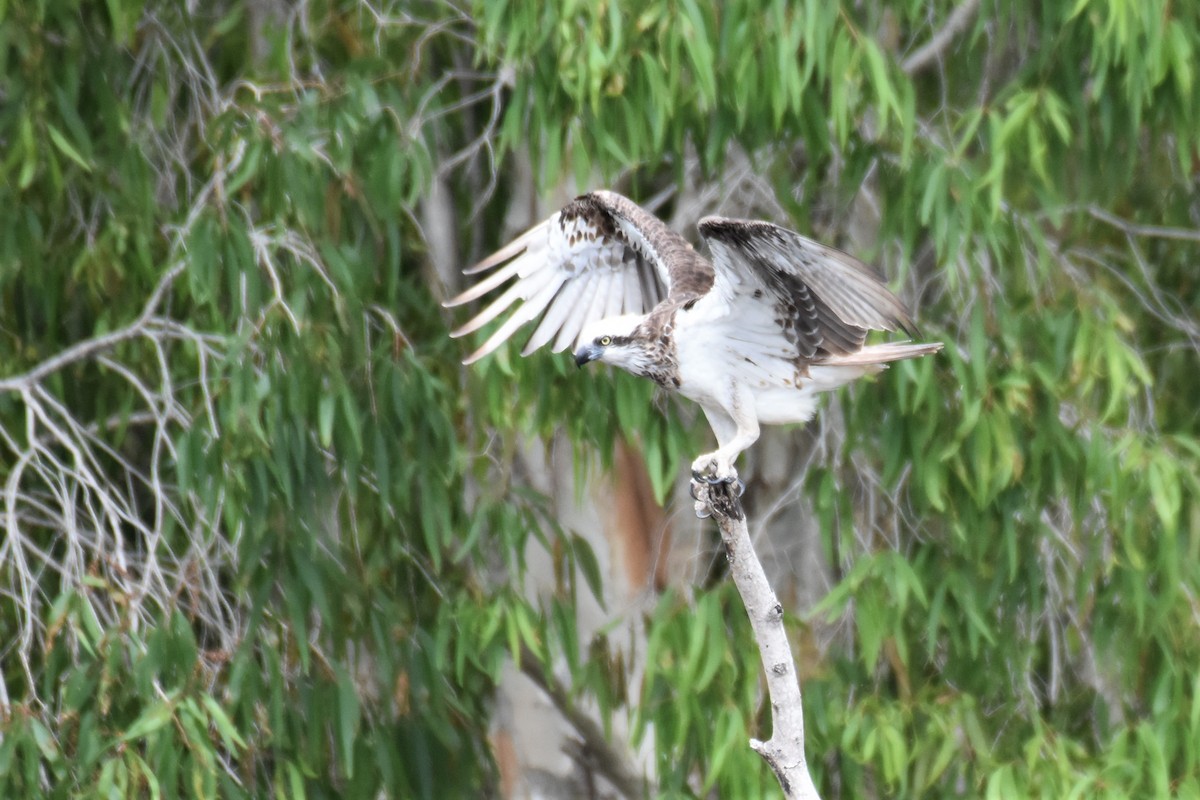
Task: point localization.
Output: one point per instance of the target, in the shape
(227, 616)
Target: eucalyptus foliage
(262, 534)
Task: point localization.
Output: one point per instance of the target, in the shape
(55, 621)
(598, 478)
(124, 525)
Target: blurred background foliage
(262, 535)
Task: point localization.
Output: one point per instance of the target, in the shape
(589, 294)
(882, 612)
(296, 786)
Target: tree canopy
(263, 534)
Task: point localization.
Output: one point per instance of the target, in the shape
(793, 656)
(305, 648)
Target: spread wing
(600, 256)
(821, 300)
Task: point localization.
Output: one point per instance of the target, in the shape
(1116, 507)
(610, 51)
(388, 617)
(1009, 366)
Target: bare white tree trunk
(784, 751)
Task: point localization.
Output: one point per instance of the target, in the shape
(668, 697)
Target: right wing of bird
(600, 256)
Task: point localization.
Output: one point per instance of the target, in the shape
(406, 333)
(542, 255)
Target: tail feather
(882, 354)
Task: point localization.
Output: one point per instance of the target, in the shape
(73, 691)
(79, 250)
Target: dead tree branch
(1150, 231)
(784, 751)
(929, 52)
(99, 344)
(607, 759)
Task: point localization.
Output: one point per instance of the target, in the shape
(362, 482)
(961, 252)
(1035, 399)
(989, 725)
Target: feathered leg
(736, 427)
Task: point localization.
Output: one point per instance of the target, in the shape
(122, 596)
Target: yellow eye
(605, 341)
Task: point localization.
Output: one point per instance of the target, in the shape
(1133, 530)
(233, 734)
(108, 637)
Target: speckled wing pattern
(600, 256)
(823, 300)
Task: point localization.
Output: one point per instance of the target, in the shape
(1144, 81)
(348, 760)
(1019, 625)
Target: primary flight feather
(751, 336)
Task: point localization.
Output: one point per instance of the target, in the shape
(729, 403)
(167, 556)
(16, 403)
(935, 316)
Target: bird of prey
(752, 336)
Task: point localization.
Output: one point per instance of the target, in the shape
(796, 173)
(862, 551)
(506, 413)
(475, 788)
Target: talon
(713, 480)
(692, 490)
(697, 475)
(741, 487)
(703, 513)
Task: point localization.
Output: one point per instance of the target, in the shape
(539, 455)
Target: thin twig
(929, 52)
(1137, 229)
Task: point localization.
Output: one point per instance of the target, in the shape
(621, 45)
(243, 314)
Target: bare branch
(99, 344)
(1135, 229)
(784, 751)
(931, 51)
(606, 758)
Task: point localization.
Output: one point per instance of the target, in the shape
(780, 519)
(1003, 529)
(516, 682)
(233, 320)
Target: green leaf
(295, 783)
(585, 560)
(150, 720)
(66, 148)
(229, 734)
(46, 741)
(326, 406)
(348, 714)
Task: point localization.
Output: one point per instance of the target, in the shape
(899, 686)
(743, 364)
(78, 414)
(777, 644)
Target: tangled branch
(77, 505)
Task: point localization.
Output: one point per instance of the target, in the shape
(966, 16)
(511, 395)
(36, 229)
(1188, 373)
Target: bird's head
(612, 341)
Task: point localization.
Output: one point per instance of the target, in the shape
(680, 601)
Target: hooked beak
(589, 352)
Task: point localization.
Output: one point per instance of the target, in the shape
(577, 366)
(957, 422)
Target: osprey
(752, 336)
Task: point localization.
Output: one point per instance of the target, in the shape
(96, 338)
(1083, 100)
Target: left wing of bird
(822, 301)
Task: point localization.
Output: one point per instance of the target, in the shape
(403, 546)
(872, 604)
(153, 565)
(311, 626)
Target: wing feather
(823, 300)
(523, 289)
(599, 301)
(540, 231)
(633, 295)
(599, 256)
(615, 295)
(651, 295)
(554, 318)
(573, 323)
(526, 312)
(491, 282)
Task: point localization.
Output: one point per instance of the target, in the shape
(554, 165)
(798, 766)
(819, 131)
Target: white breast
(724, 356)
